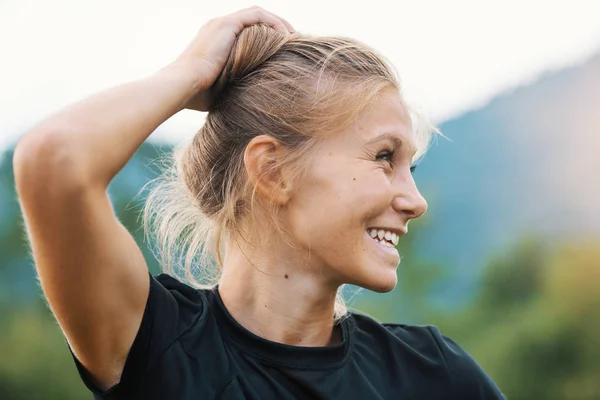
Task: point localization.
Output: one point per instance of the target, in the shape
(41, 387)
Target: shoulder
(177, 287)
(467, 374)
(412, 345)
(173, 309)
(468, 378)
(176, 295)
(417, 337)
(425, 347)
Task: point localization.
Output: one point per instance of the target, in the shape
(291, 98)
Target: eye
(386, 155)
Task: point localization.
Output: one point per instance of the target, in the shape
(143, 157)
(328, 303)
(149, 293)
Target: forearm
(99, 134)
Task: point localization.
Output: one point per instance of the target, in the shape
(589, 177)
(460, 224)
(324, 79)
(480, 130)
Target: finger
(288, 26)
(256, 15)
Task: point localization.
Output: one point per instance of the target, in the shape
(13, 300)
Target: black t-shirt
(189, 347)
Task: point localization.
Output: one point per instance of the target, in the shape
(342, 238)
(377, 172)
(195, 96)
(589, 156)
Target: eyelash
(386, 153)
(390, 154)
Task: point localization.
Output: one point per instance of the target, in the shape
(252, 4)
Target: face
(358, 184)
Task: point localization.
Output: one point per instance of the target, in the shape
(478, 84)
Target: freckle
(286, 276)
(330, 154)
(353, 179)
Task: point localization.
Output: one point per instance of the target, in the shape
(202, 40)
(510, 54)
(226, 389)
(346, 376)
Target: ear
(263, 158)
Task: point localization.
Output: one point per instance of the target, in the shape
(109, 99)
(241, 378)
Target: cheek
(331, 207)
(321, 211)
(337, 216)
(371, 194)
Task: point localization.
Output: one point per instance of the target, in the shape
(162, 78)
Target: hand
(206, 55)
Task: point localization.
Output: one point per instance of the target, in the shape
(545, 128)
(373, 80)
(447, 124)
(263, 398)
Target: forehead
(386, 119)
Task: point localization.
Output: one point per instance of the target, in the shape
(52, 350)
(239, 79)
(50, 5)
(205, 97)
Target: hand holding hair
(100, 133)
(207, 53)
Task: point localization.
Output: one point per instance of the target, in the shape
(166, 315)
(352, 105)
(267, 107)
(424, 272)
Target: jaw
(368, 264)
(376, 267)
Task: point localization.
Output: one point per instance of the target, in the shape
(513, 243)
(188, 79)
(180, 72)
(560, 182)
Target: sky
(452, 56)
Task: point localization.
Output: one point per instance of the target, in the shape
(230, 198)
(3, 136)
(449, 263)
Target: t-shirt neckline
(293, 356)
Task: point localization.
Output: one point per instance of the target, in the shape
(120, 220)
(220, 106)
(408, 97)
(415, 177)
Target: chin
(379, 282)
(383, 286)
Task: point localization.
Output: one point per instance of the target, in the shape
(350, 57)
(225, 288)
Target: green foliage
(510, 280)
(534, 326)
(36, 363)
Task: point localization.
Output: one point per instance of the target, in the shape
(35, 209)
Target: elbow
(43, 160)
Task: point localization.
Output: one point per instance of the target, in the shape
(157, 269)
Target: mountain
(525, 164)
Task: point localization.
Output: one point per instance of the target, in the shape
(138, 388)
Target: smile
(384, 237)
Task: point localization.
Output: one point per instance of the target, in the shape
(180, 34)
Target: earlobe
(263, 158)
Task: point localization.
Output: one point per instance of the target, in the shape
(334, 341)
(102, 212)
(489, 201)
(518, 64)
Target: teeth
(379, 235)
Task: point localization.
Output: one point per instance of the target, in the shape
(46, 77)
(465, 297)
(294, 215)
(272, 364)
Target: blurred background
(507, 259)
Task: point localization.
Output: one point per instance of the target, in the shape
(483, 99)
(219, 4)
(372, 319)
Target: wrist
(190, 77)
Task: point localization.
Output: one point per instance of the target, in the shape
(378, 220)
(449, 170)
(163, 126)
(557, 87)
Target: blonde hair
(293, 87)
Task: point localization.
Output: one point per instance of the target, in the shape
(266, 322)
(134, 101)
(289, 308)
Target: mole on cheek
(286, 276)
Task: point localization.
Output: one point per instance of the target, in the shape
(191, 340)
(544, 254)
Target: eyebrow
(397, 141)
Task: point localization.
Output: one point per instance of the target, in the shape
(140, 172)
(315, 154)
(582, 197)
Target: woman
(299, 182)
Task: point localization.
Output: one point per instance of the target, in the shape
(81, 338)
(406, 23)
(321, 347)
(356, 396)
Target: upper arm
(92, 272)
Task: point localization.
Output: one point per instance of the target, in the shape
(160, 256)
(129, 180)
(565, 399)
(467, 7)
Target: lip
(390, 251)
(398, 231)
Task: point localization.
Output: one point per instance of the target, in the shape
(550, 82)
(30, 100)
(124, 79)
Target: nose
(408, 200)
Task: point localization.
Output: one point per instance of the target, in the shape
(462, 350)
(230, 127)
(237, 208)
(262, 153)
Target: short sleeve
(469, 379)
(171, 309)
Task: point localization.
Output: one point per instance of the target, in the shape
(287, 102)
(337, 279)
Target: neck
(278, 296)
